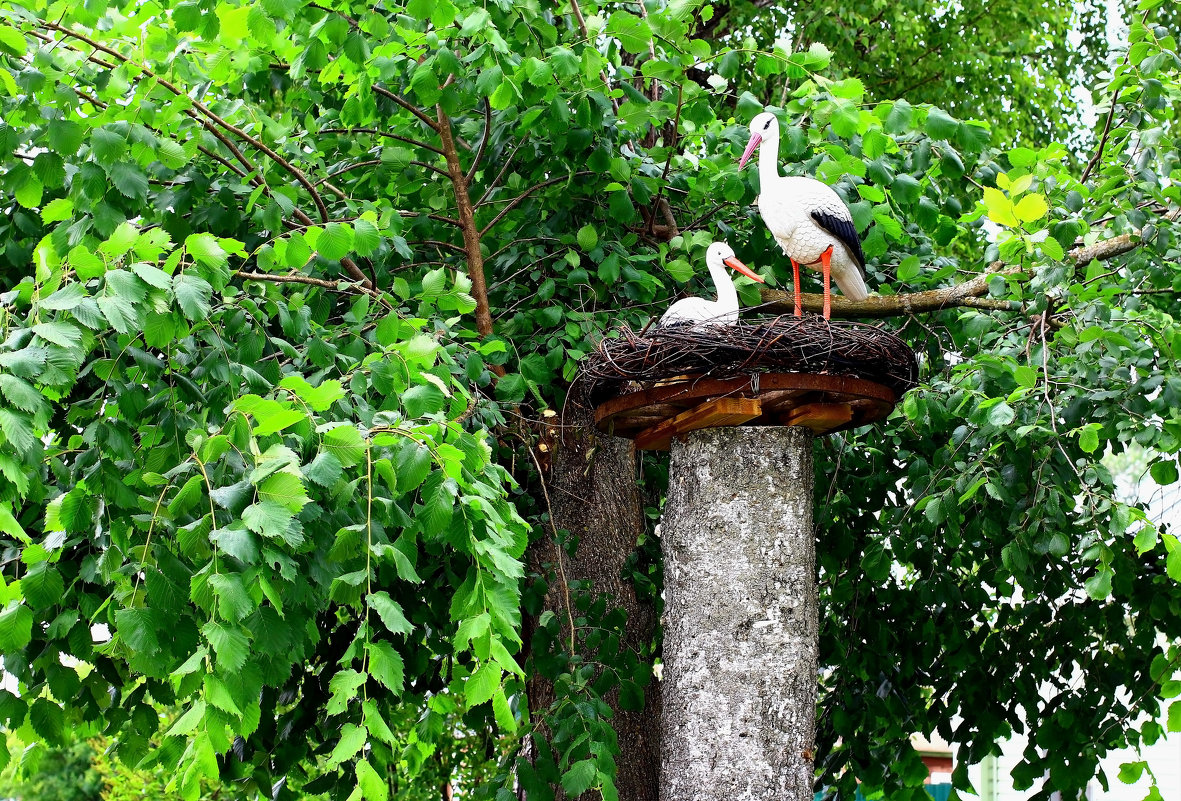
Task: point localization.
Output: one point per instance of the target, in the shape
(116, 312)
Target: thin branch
(413, 109)
(439, 217)
(374, 163)
(352, 22)
(471, 173)
(504, 168)
(439, 244)
(386, 134)
(586, 35)
(1094, 162)
(517, 200)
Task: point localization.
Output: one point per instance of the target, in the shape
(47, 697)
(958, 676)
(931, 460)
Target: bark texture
(741, 626)
(594, 496)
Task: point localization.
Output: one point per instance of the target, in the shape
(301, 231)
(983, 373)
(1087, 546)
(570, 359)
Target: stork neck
(769, 161)
(727, 294)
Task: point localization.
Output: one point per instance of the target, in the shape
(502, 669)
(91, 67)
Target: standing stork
(723, 311)
(808, 220)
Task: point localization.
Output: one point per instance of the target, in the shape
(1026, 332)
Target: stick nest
(784, 344)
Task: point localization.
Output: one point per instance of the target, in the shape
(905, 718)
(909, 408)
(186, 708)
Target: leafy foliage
(264, 260)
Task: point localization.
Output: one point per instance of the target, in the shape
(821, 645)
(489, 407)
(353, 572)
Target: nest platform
(664, 382)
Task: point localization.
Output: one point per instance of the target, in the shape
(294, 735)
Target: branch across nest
(784, 344)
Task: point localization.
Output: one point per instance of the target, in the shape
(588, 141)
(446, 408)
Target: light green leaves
(482, 684)
(390, 612)
(194, 295)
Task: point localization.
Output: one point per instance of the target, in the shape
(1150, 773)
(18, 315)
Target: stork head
(763, 126)
(721, 254)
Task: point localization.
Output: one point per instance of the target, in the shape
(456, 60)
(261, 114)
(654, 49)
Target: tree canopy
(291, 292)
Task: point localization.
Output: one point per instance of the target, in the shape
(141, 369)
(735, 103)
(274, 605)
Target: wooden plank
(711, 414)
(686, 392)
(820, 417)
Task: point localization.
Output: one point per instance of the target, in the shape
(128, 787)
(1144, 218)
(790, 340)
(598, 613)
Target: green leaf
(42, 586)
(233, 600)
(137, 628)
(372, 785)
(390, 612)
(284, 489)
(108, 147)
(481, 685)
(1098, 586)
(633, 33)
(1130, 772)
(335, 242)
(422, 400)
(206, 250)
(941, 125)
(346, 444)
(1174, 723)
(386, 665)
(587, 237)
(17, 429)
(56, 210)
(48, 720)
(1030, 208)
(129, 179)
(503, 712)
(193, 294)
(21, 394)
(12, 41)
(239, 543)
(343, 686)
(16, 627)
(60, 333)
(1088, 438)
(580, 777)
(230, 644)
(352, 738)
(1164, 472)
(324, 470)
(1001, 415)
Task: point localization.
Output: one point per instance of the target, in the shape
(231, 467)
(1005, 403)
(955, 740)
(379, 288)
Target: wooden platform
(653, 415)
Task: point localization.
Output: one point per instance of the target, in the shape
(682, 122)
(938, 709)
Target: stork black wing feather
(844, 230)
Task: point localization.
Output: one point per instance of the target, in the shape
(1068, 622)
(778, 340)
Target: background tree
(290, 289)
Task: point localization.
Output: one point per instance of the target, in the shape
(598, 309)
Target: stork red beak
(755, 140)
(735, 264)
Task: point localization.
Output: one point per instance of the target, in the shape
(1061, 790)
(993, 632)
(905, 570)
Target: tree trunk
(741, 627)
(594, 495)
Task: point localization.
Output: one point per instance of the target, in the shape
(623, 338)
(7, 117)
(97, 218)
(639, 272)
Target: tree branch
(471, 173)
(467, 221)
(969, 294)
(339, 285)
(406, 104)
(586, 35)
(517, 200)
(386, 134)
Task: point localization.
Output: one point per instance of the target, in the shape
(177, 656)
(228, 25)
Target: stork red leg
(795, 268)
(826, 266)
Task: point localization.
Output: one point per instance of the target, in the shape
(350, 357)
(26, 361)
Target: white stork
(724, 311)
(808, 220)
